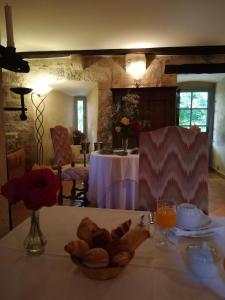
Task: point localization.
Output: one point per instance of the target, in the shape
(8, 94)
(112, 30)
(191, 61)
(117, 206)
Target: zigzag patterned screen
(61, 145)
(173, 165)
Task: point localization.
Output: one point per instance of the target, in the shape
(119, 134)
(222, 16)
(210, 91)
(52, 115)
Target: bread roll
(101, 237)
(121, 230)
(135, 237)
(86, 229)
(121, 259)
(96, 258)
(77, 248)
(116, 246)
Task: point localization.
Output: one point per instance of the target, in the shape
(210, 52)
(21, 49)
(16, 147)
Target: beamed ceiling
(56, 25)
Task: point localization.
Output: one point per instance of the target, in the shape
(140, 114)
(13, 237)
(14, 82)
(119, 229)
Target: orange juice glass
(166, 217)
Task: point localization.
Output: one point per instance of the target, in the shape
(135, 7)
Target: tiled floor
(216, 203)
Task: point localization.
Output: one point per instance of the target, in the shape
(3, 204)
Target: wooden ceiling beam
(195, 68)
(195, 50)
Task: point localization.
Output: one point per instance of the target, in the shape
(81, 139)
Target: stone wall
(108, 72)
(218, 157)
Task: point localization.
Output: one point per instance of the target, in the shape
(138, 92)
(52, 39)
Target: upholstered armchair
(173, 165)
(67, 169)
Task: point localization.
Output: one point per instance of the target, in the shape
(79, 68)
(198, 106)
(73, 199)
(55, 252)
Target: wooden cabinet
(157, 108)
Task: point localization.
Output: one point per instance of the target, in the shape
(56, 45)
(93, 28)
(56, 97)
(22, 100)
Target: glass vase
(125, 144)
(35, 241)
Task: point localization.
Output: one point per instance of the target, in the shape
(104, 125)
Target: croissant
(86, 229)
(134, 238)
(121, 259)
(116, 246)
(121, 230)
(100, 238)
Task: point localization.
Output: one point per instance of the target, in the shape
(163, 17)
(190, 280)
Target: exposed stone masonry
(108, 72)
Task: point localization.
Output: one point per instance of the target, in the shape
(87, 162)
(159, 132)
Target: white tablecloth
(152, 273)
(113, 181)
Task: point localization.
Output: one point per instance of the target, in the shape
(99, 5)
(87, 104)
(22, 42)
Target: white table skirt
(113, 181)
(152, 274)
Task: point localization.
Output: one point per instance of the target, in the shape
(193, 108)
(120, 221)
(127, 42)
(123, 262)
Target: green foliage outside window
(80, 115)
(185, 100)
(199, 116)
(184, 117)
(193, 109)
(199, 99)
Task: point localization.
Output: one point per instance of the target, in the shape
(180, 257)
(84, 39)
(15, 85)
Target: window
(195, 106)
(193, 109)
(80, 113)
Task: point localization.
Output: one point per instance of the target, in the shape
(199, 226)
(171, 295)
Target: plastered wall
(107, 72)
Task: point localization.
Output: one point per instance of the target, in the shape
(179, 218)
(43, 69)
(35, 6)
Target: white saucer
(200, 227)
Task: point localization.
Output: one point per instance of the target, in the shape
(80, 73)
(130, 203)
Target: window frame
(200, 86)
(84, 99)
(191, 109)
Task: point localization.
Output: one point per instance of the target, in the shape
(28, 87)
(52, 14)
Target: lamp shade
(41, 85)
(135, 65)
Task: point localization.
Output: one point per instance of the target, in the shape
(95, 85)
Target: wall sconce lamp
(135, 66)
(20, 91)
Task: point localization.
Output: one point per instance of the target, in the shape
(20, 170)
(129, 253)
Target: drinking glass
(165, 219)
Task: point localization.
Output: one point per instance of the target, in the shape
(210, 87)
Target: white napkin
(212, 228)
(216, 284)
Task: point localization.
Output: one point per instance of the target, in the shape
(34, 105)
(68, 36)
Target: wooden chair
(66, 167)
(173, 165)
(85, 149)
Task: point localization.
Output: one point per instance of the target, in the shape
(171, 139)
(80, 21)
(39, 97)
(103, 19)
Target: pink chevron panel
(61, 145)
(64, 156)
(173, 165)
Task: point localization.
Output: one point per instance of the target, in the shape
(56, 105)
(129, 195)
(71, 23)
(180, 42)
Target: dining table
(113, 180)
(151, 274)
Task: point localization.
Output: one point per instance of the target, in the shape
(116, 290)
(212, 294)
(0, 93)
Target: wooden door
(157, 108)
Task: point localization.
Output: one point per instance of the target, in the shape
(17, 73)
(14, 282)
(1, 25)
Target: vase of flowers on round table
(36, 188)
(125, 119)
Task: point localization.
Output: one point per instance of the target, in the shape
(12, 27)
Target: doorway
(196, 105)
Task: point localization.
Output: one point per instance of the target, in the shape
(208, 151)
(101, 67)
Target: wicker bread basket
(98, 273)
(100, 254)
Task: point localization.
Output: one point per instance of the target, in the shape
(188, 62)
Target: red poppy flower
(136, 125)
(36, 188)
(11, 190)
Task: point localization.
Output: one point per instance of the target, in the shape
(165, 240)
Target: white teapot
(202, 260)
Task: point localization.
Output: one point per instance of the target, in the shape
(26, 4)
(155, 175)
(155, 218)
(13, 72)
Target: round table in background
(113, 180)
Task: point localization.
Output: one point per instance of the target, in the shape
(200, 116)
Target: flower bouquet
(125, 118)
(36, 188)
(78, 137)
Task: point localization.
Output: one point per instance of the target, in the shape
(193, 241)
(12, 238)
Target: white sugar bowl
(190, 216)
(202, 260)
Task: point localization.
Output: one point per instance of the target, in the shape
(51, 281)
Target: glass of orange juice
(165, 219)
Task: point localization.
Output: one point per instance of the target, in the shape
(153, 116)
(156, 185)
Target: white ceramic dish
(203, 226)
(200, 234)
